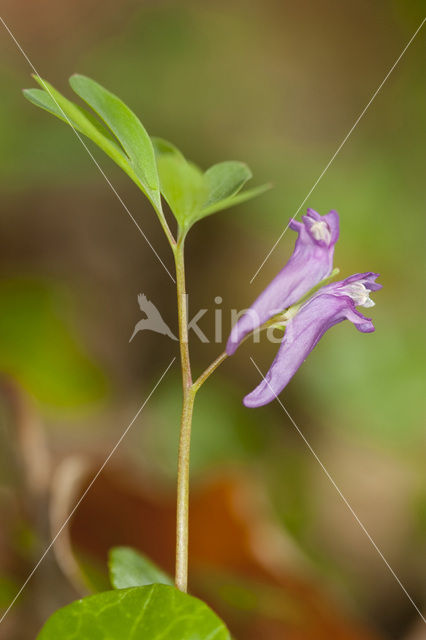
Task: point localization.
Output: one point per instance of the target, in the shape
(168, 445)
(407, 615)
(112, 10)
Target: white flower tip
(321, 231)
(359, 294)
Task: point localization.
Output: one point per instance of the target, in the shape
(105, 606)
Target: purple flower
(312, 260)
(328, 306)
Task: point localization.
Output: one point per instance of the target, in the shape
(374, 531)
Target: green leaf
(129, 568)
(181, 182)
(130, 146)
(154, 165)
(224, 180)
(162, 146)
(55, 103)
(155, 612)
(232, 201)
(191, 194)
(127, 127)
(45, 101)
(182, 185)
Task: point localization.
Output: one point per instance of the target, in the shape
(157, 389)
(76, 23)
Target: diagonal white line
(125, 207)
(339, 148)
(341, 495)
(80, 500)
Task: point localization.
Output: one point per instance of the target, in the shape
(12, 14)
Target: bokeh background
(277, 84)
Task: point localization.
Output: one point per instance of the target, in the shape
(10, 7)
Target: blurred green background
(278, 85)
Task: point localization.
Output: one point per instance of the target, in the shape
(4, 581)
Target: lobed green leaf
(127, 127)
(45, 101)
(129, 568)
(153, 612)
(51, 100)
(232, 201)
(182, 186)
(162, 146)
(155, 165)
(124, 139)
(224, 180)
(193, 195)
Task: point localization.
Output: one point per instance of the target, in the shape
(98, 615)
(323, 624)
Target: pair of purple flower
(311, 262)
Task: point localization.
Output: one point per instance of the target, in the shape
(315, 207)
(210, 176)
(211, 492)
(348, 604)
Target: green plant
(163, 174)
(300, 300)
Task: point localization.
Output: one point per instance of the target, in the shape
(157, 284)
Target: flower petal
(311, 261)
(367, 279)
(328, 307)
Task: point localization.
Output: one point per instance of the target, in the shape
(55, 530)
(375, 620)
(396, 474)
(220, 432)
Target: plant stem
(182, 315)
(162, 218)
(182, 512)
(210, 369)
(181, 575)
(189, 392)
